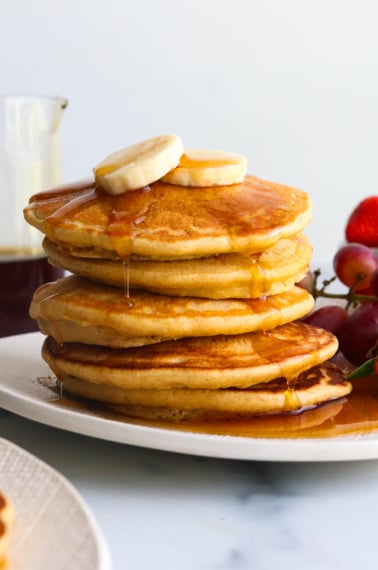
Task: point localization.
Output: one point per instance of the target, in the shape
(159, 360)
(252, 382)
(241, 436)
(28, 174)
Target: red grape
(332, 318)
(374, 283)
(353, 261)
(360, 333)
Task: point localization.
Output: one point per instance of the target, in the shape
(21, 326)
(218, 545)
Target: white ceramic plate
(53, 527)
(22, 393)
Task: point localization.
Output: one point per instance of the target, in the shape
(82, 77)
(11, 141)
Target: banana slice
(139, 165)
(208, 168)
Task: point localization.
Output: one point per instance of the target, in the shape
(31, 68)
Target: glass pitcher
(30, 161)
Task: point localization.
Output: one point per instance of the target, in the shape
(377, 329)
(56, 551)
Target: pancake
(312, 387)
(163, 221)
(213, 362)
(232, 275)
(6, 522)
(183, 302)
(74, 309)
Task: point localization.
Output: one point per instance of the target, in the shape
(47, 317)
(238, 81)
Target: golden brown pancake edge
(172, 222)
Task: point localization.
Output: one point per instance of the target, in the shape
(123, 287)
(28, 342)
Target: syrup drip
(126, 282)
(70, 207)
(127, 212)
(64, 190)
(291, 398)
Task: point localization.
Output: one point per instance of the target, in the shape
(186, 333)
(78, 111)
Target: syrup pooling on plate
(354, 415)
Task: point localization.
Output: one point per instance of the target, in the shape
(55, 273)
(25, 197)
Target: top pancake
(163, 221)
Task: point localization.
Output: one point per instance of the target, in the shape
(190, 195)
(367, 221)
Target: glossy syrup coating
(165, 221)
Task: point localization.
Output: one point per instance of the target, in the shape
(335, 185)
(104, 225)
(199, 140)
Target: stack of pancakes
(182, 303)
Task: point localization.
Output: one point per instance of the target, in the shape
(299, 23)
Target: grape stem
(350, 297)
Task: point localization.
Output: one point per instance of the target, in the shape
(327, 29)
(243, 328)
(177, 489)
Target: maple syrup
(188, 161)
(124, 211)
(126, 282)
(62, 190)
(355, 414)
(128, 212)
(254, 207)
(21, 273)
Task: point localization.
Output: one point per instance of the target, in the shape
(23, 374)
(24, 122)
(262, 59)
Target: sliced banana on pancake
(163, 158)
(201, 168)
(139, 165)
(74, 309)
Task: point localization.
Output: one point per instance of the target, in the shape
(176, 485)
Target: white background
(291, 84)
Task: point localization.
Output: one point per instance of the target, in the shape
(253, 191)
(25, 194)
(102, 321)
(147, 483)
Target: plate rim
(63, 485)
(341, 448)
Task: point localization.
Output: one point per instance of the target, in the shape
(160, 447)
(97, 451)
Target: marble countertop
(165, 510)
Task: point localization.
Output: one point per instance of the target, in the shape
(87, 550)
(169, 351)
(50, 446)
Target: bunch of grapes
(355, 322)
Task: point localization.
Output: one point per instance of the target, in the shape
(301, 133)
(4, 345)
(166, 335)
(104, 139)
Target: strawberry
(362, 225)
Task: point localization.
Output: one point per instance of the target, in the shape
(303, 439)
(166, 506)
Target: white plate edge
(342, 448)
(105, 562)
